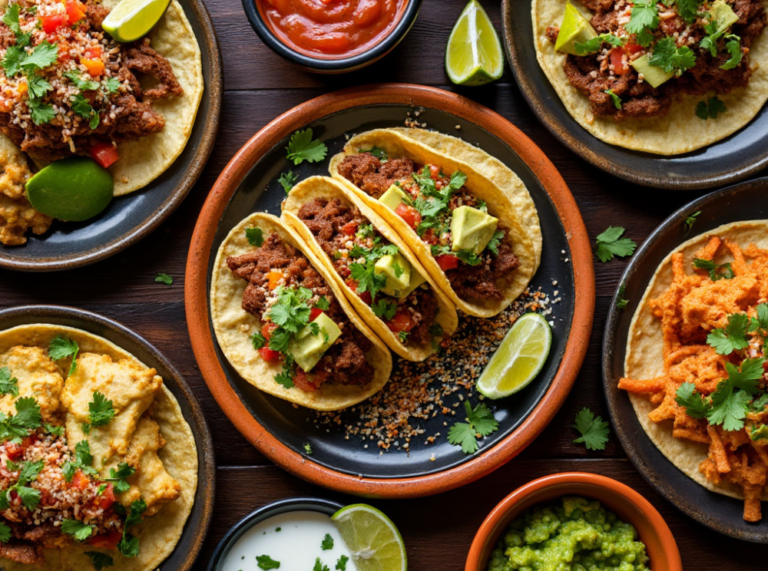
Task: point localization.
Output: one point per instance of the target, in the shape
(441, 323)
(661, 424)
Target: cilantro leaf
(691, 220)
(11, 63)
(367, 279)
(469, 257)
(327, 542)
(377, 152)
(129, 545)
(287, 180)
(610, 244)
(82, 84)
(688, 10)
(37, 86)
(266, 562)
(716, 271)
(11, 19)
(81, 106)
(733, 47)
(30, 497)
(100, 560)
(319, 566)
(40, 113)
(258, 341)
(384, 309)
(100, 410)
(302, 148)
(291, 311)
(120, 477)
(644, 15)
(5, 531)
(615, 98)
(255, 236)
(762, 316)
(493, 244)
(30, 471)
(759, 404)
(341, 564)
(733, 337)
(747, 376)
(62, 347)
(54, 430)
(480, 423)
(77, 529)
(594, 430)
(279, 339)
(729, 407)
(308, 449)
(323, 303)
(286, 377)
(670, 58)
(8, 383)
(162, 278)
(710, 109)
(695, 404)
(17, 426)
(138, 507)
(44, 55)
(112, 84)
(594, 45)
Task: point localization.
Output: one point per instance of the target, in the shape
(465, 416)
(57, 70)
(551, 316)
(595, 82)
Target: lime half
(473, 55)
(518, 359)
(133, 19)
(372, 538)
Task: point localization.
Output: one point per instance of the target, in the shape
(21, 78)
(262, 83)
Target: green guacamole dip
(574, 534)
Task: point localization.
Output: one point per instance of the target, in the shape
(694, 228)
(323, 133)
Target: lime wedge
(473, 55)
(133, 19)
(372, 538)
(518, 359)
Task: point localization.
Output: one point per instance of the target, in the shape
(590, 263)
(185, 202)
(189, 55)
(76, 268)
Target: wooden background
(437, 530)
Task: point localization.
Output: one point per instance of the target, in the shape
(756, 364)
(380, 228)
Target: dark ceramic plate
(746, 201)
(249, 184)
(727, 161)
(196, 528)
(130, 218)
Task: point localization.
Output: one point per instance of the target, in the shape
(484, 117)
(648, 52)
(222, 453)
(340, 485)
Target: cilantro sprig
(327, 542)
(100, 412)
(266, 562)
(302, 147)
(644, 17)
(129, 544)
(77, 529)
(716, 271)
(593, 429)
(28, 473)
(711, 108)
(690, 221)
(83, 460)
(62, 347)
(287, 180)
(120, 477)
(480, 423)
(667, 56)
(9, 385)
(731, 338)
(610, 244)
(594, 45)
(100, 560)
(18, 426)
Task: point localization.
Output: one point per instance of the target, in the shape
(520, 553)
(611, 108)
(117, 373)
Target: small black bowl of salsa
(332, 36)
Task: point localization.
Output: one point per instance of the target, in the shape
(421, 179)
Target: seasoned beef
(371, 175)
(24, 553)
(480, 282)
(426, 307)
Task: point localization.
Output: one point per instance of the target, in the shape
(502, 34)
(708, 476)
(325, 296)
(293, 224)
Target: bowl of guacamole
(574, 522)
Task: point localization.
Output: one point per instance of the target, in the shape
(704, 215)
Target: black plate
(727, 161)
(746, 201)
(196, 528)
(130, 218)
(260, 192)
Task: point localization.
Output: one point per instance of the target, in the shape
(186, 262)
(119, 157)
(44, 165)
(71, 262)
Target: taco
(99, 465)
(661, 78)
(695, 365)
(462, 227)
(381, 277)
(285, 325)
(70, 88)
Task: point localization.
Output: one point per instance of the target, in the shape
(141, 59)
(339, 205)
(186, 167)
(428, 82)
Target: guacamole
(573, 534)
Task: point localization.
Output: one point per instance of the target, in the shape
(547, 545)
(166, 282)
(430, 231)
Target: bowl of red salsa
(332, 36)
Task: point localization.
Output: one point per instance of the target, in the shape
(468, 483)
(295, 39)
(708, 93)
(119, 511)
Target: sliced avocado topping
(397, 269)
(393, 198)
(723, 14)
(575, 28)
(652, 75)
(471, 229)
(416, 280)
(308, 348)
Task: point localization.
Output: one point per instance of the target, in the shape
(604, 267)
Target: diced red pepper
(53, 22)
(107, 498)
(104, 153)
(75, 11)
(447, 262)
(301, 380)
(434, 172)
(106, 541)
(95, 67)
(267, 329)
(411, 216)
(80, 480)
(402, 321)
(618, 62)
(269, 355)
(349, 228)
(315, 313)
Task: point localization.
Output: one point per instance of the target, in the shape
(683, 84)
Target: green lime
(372, 538)
(133, 19)
(518, 359)
(474, 55)
(72, 189)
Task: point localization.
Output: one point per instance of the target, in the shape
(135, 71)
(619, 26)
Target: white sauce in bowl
(296, 546)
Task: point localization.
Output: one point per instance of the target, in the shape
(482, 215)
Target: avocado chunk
(416, 280)
(653, 76)
(393, 198)
(308, 348)
(574, 29)
(471, 229)
(723, 14)
(759, 432)
(397, 270)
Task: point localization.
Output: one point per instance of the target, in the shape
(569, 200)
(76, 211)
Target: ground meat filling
(593, 74)
(344, 363)
(368, 173)
(335, 225)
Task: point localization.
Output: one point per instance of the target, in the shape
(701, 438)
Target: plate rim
(206, 461)
(200, 252)
(626, 429)
(214, 86)
(657, 179)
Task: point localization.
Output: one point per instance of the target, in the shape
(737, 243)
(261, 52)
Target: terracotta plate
(728, 161)
(130, 218)
(746, 201)
(196, 528)
(249, 184)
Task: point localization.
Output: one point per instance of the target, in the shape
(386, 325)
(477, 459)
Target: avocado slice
(397, 279)
(393, 198)
(416, 280)
(723, 14)
(652, 75)
(471, 229)
(307, 348)
(575, 28)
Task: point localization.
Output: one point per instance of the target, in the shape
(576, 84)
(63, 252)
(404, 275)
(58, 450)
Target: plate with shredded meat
(685, 361)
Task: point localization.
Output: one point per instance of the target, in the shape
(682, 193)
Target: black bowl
(275, 508)
(341, 65)
(746, 201)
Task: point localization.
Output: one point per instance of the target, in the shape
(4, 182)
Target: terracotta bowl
(626, 503)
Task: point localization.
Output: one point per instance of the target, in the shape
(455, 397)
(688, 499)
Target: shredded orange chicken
(692, 307)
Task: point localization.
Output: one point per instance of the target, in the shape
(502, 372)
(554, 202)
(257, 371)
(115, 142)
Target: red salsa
(331, 28)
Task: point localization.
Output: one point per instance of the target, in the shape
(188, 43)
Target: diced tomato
(274, 278)
(315, 313)
(104, 153)
(618, 62)
(402, 321)
(95, 66)
(93, 52)
(14, 452)
(429, 237)
(409, 214)
(434, 172)
(269, 355)
(632, 47)
(301, 380)
(80, 480)
(106, 541)
(75, 11)
(107, 498)
(447, 262)
(366, 297)
(53, 22)
(267, 329)
(349, 228)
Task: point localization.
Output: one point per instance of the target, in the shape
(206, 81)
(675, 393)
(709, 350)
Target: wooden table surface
(437, 530)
